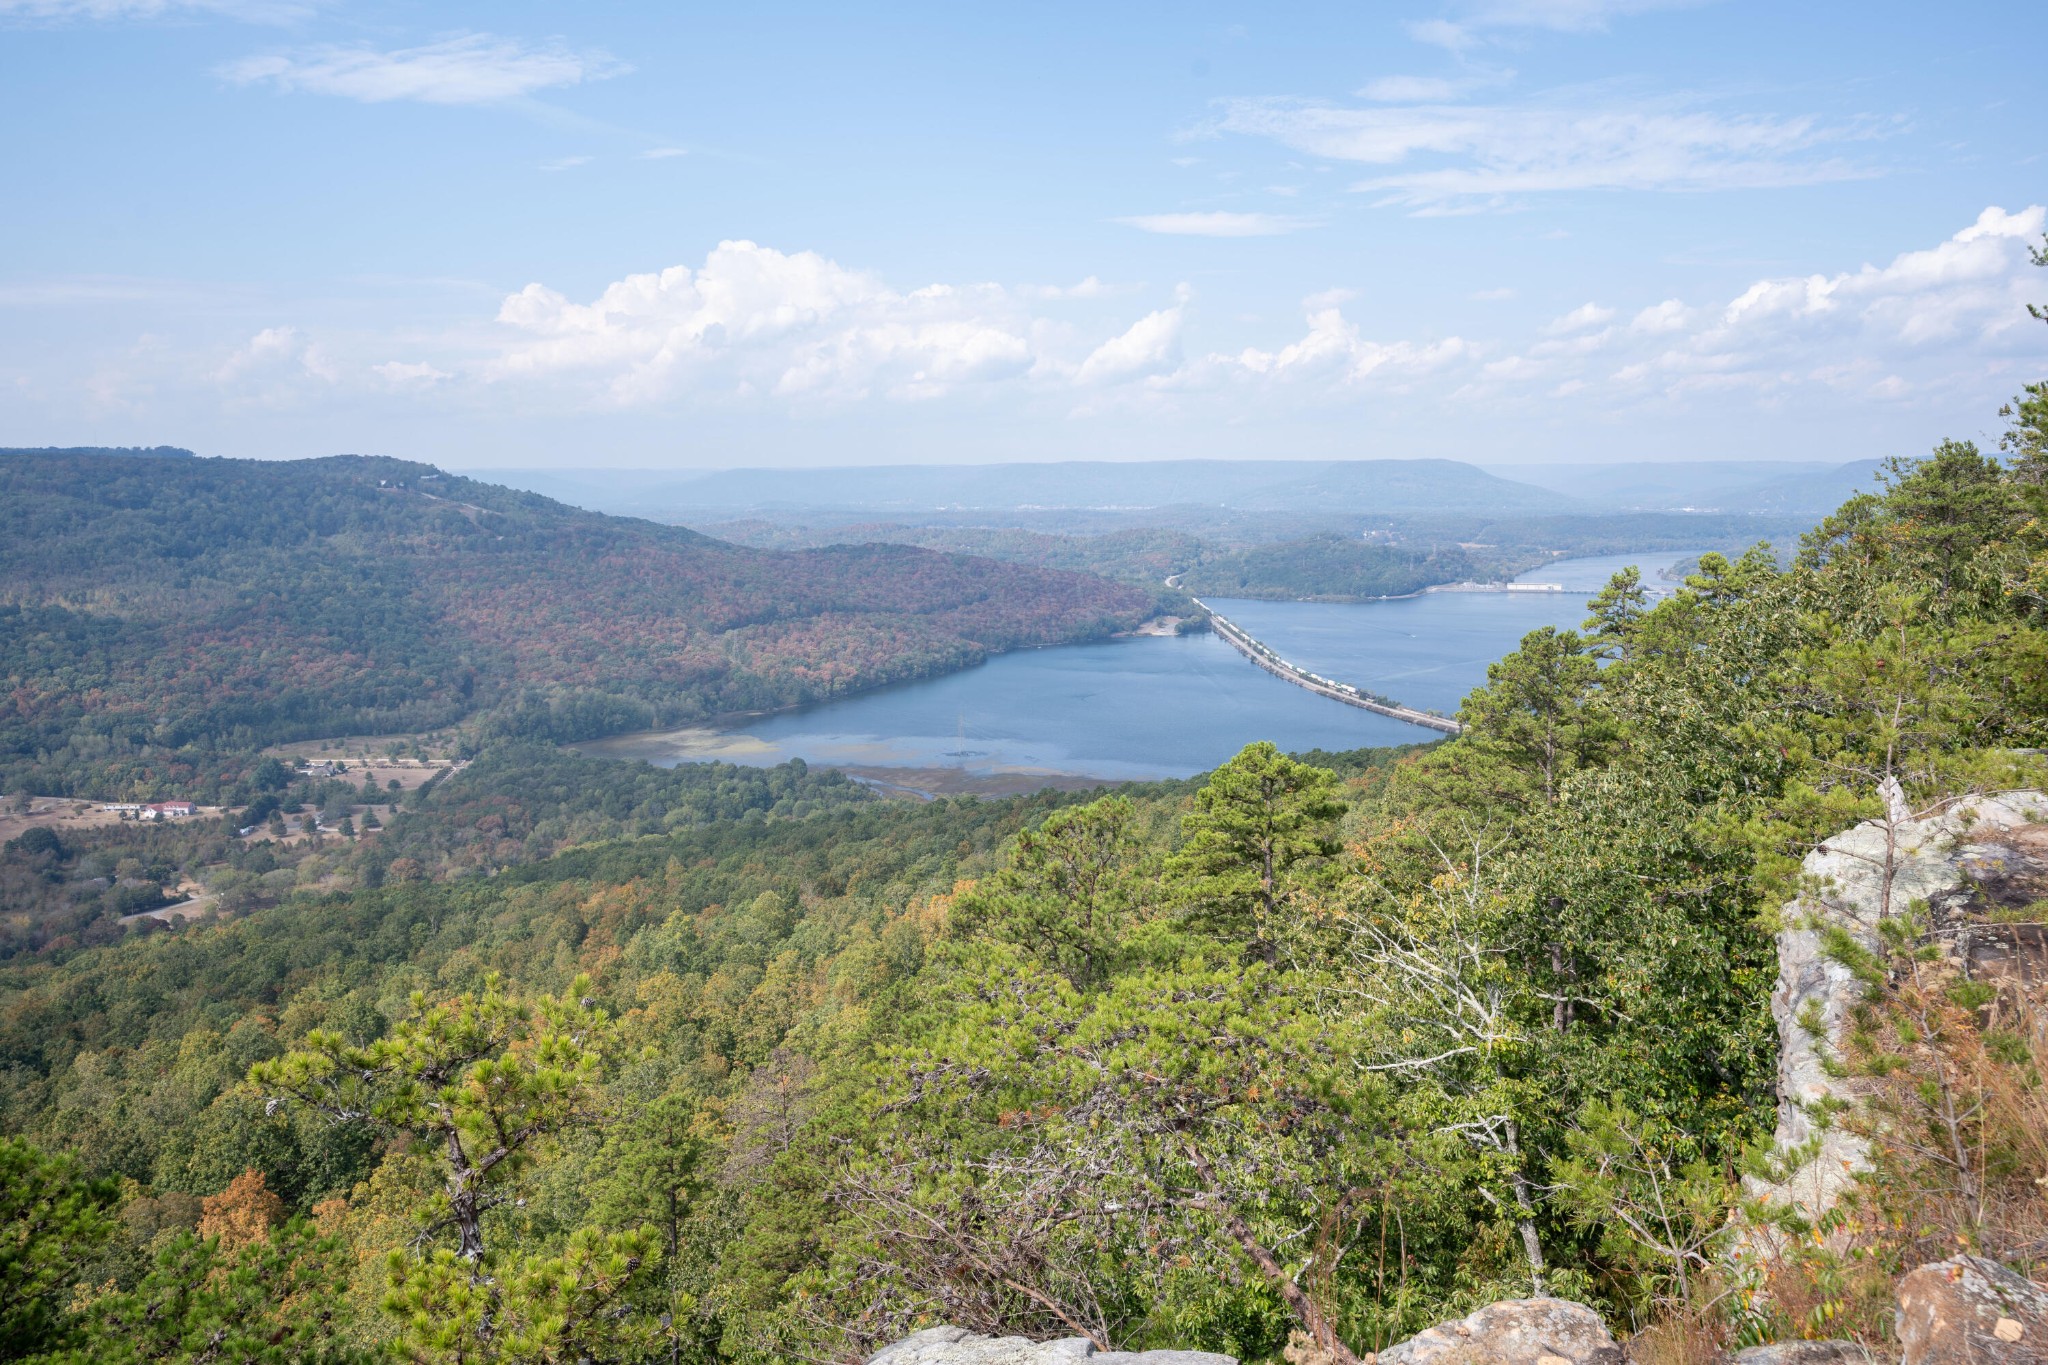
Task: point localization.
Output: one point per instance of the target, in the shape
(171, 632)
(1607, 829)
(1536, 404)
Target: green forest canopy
(1197, 1064)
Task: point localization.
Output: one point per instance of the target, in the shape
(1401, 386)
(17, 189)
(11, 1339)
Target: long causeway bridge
(1235, 636)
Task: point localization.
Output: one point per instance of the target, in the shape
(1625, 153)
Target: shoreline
(707, 744)
(723, 719)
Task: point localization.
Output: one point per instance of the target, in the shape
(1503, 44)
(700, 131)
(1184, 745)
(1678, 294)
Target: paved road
(1236, 637)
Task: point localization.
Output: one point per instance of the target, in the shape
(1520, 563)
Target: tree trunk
(1304, 1308)
(1532, 1246)
(465, 1206)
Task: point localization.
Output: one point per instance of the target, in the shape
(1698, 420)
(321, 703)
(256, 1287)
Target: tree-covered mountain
(1812, 492)
(1139, 556)
(156, 614)
(1342, 568)
(1809, 488)
(151, 452)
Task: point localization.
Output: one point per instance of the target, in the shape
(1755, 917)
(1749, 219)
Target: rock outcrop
(1812, 1353)
(1513, 1332)
(958, 1346)
(1874, 871)
(1967, 1309)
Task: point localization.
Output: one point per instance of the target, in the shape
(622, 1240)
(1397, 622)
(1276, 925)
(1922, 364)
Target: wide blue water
(1155, 707)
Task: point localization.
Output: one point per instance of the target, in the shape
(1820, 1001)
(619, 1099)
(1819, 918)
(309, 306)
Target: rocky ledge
(1962, 1311)
(1982, 850)
(1515, 1332)
(958, 1346)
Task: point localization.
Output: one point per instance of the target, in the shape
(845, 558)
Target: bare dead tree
(1441, 993)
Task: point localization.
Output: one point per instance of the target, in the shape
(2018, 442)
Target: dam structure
(1240, 640)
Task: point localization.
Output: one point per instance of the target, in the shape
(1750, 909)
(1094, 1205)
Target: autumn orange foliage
(243, 1213)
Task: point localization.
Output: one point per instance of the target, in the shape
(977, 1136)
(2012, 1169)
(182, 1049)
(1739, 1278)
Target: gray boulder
(1812, 1353)
(1513, 1332)
(1967, 1309)
(958, 1346)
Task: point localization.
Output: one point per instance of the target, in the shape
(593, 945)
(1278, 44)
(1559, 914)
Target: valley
(1059, 684)
(1161, 707)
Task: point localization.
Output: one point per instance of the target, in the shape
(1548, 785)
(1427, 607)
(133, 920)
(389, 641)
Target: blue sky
(694, 236)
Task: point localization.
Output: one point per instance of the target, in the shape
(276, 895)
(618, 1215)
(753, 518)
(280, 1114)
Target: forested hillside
(1273, 1055)
(1343, 568)
(1367, 558)
(161, 619)
(1141, 556)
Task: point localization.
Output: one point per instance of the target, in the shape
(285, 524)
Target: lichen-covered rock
(958, 1346)
(1966, 1309)
(1812, 1353)
(1930, 860)
(1513, 1332)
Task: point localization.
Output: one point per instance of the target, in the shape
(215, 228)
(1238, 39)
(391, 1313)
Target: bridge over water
(1240, 640)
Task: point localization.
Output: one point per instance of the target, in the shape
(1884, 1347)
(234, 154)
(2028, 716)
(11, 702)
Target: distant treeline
(1404, 554)
(1337, 568)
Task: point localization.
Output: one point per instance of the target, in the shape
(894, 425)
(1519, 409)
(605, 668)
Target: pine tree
(483, 1081)
(52, 1221)
(1064, 893)
(1261, 820)
(1539, 711)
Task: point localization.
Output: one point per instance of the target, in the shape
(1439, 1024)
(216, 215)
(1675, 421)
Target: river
(1155, 706)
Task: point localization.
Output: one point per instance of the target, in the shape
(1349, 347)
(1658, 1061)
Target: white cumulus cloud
(1944, 319)
(755, 320)
(1580, 318)
(1150, 346)
(1932, 331)
(1668, 316)
(273, 356)
(1922, 296)
(1335, 351)
(1090, 287)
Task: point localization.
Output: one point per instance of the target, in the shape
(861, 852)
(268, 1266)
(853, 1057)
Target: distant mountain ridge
(1810, 494)
(1094, 496)
(1325, 486)
(1759, 487)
